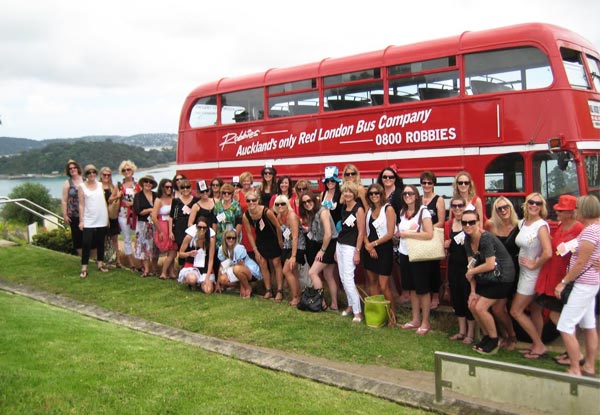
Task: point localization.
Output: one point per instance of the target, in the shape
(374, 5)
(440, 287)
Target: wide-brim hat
(149, 178)
(331, 173)
(566, 202)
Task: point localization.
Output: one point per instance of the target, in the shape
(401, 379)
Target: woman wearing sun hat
(93, 216)
(330, 197)
(143, 204)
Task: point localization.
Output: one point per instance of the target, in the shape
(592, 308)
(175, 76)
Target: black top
(349, 233)
(490, 246)
(141, 203)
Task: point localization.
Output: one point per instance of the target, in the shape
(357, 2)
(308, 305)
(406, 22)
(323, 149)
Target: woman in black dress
(180, 213)
(378, 255)
(268, 242)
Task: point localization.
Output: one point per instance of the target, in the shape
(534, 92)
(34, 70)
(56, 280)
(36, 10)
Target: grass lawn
(58, 362)
(227, 316)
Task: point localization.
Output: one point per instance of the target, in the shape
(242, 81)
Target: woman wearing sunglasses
(160, 218)
(503, 224)
(198, 251)
(294, 245)
(267, 244)
(236, 266)
(94, 219)
(127, 217)
(228, 213)
(70, 202)
(330, 197)
(143, 204)
(351, 174)
(268, 184)
(535, 246)
(320, 245)
(460, 289)
(378, 253)
(485, 253)
(181, 207)
(463, 186)
(204, 206)
(415, 222)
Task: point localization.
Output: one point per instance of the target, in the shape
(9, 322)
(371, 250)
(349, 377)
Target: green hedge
(57, 240)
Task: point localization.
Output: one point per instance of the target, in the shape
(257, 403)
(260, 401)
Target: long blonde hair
(496, 220)
(224, 250)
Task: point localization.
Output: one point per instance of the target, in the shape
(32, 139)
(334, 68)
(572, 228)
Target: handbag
(311, 300)
(113, 209)
(566, 292)
(426, 250)
(489, 277)
(377, 309)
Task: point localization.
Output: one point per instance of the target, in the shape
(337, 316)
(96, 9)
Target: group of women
(231, 235)
(524, 262)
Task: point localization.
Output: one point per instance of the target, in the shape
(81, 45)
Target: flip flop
(421, 331)
(534, 356)
(83, 274)
(524, 351)
(457, 336)
(409, 326)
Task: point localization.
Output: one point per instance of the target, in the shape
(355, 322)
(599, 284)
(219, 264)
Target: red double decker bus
(518, 107)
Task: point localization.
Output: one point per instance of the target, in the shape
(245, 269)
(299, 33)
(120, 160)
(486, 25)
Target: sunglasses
(373, 194)
(329, 181)
(230, 238)
(457, 205)
(301, 189)
(426, 183)
(386, 177)
(106, 174)
(307, 202)
(463, 183)
(126, 169)
(91, 172)
(215, 185)
(201, 227)
(408, 193)
(73, 168)
(268, 173)
(177, 179)
(168, 187)
(225, 193)
(468, 222)
(185, 187)
(350, 173)
(280, 204)
(251, 200)
(203, 191)
(534, 202)
(501, 208)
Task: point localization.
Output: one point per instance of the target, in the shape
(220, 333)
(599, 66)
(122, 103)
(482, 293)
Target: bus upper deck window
(573, 63)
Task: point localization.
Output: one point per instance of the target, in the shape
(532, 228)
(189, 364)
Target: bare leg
(517, 310)
(329, 275)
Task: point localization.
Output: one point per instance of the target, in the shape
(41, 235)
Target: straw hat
(150, 179)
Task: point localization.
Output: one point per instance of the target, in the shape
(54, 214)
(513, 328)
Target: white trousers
(126, 232)
(345, 256)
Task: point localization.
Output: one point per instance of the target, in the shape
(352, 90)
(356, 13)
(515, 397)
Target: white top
(95, 213)
(530, 246)
(380, 224)
(410, 224)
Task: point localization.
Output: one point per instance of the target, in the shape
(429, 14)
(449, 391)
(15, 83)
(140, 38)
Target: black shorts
(415, 276)
(287, 254)
(312, 247)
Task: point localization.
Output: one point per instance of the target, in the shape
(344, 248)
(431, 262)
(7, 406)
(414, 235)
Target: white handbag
(420, 250)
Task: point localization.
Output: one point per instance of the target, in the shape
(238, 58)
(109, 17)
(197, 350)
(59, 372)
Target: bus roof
(534, 33)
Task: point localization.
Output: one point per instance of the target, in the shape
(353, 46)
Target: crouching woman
(236, 265)
(198, 251)
(486, 254)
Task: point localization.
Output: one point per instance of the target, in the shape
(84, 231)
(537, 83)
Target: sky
(70, 68)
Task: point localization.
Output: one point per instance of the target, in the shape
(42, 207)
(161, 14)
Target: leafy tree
(34, 192)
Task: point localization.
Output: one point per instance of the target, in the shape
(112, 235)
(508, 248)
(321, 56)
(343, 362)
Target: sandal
(279, 296)
(268, 295)
(468, 340)
(457, 336)
(144, 275)
(102, 268)
(83, 274)
(410, 326)
(163, 277)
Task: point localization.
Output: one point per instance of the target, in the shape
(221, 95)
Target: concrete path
(412, 388)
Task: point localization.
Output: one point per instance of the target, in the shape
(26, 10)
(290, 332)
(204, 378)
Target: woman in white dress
(94, 219)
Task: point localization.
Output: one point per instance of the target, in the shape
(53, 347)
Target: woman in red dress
(556, 267)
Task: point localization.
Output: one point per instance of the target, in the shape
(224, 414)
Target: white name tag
(350, 221)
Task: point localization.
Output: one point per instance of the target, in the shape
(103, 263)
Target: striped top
(591, 275)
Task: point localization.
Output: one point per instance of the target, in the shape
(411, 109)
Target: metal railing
(29, 206)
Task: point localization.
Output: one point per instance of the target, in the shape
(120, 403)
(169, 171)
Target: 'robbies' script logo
(233, 138)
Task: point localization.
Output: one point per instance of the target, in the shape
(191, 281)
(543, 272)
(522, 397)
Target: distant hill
(52, 158)
(13, 145)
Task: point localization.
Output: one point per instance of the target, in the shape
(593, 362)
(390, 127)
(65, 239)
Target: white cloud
(72, 68)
